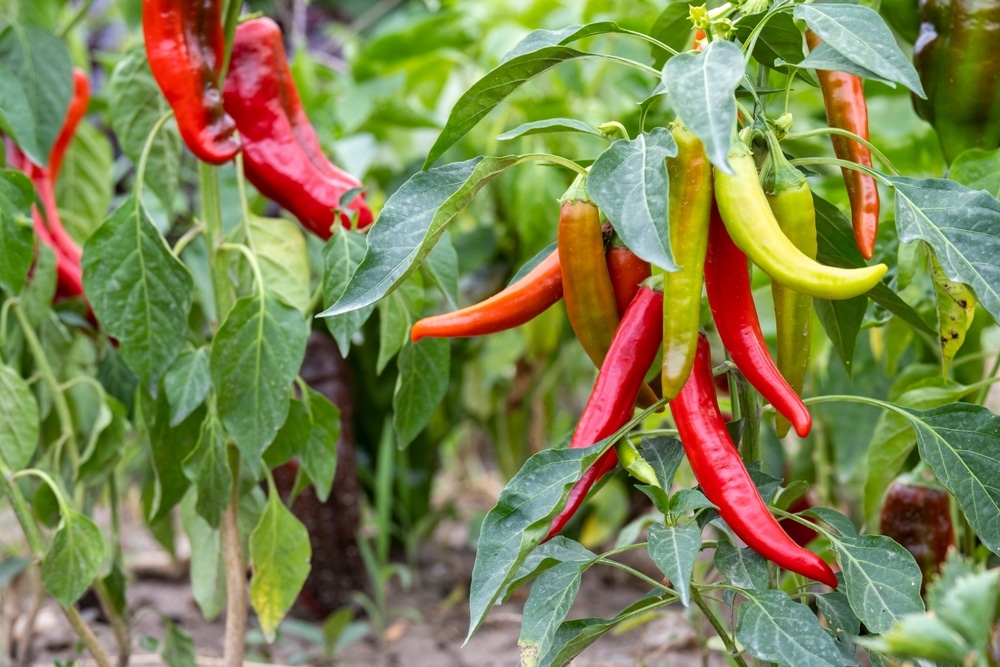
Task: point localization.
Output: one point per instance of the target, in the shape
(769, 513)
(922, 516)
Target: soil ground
(425, 627)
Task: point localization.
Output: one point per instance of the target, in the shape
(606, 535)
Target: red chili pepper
(727, 282)
(846, 109)
(77, 109)
(281, 153)
(186, 46)
(626, 271)
(520, 302)
(612, 401)
(725, 480)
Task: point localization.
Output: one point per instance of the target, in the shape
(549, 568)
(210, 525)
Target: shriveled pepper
(957, 57)
(917, 514)
(727, 282)
(792, 204)
(186, 46)
(281, 153)
(846, 109)
(751, 224)
(690, 175)
(612, 400)
(725, 480)
(522, 301)
(626, 271)
(587, 289)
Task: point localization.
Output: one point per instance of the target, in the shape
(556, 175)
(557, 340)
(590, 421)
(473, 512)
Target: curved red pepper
(186, 46)
(626, 271)
(281, 153)
(727, 282)
(518, 303)
(846, 109)
(725, 480)
(612, 400)
(77, 109)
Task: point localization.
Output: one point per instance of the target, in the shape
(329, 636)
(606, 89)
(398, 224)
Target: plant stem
(58, 398)
(86, 636)
(720, 630)
(119, 625)
(232, 548)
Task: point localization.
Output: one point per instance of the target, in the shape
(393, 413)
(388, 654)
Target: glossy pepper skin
(792, 204)
(522, 301)
(918, 516)
(186, 46)
(727, 282)
(626, 271)
(618, 383)
(587, 289)
(725, 480)
(958, 59)
(846, 109)
(281, 153)
(751, 224)
(690, 175)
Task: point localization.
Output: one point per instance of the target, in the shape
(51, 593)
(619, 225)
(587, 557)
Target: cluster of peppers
(45, 214)
(624, 317)
(255, 110)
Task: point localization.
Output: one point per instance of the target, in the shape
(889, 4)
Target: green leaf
(977, 169)
(318, 455)
(207, 466)
(702, 90)
(834, 520)
(780, 39)
(279, 554)
(560, 549)
(135, 105)
(664, 454)
(775, 629)
(208, 573)
(881, 579)
(281, 254)
(16, 117)
(411, 222)
(74, 557)
(922, 636)
(825, 57)
(423, 381)
(341, 256)
(539, 39)
(551, 125)
(139, 291)
(860, 35)
(17, 236)
(838, 613)
(40, 62)
(83, 190)
(105, 447)
(961, 443)
(628, 181)
(186, 383)
(18, 420)
(842, 322)
(177, 648)
(673, 28)
(169, 447)
(520, 520)
(493, 88)
(969, 605)
(674, 549)
(551, 596)
(836, 247)
(396, 314)
(291, 437)
(441, 269)
(256, 354)
(742, 567)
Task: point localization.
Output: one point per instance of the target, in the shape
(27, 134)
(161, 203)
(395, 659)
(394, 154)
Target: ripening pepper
(792, 204)
(282, 156)
(917, 514)
(957, 55)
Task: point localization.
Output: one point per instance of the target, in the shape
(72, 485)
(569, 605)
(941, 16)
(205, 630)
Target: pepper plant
(730, 87)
